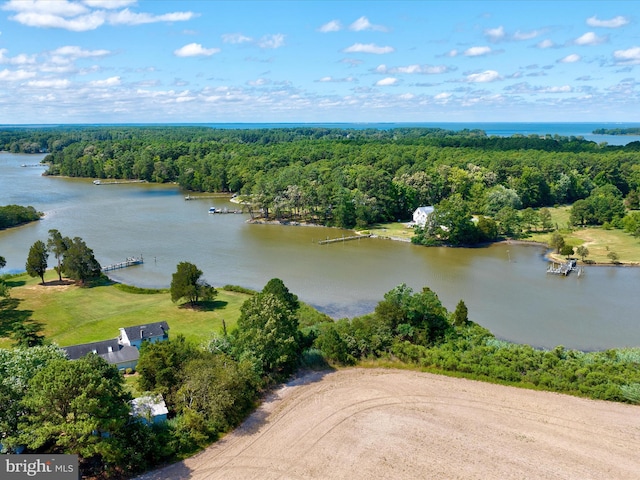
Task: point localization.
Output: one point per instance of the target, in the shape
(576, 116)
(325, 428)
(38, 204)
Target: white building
(421, 215)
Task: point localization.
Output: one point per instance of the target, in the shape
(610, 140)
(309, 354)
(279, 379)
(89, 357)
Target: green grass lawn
(72, 315)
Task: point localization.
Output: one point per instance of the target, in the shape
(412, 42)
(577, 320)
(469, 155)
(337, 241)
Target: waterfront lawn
(72, 315)
(598, 240)
(391, 230)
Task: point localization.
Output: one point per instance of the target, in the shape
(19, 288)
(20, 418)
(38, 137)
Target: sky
(164, 61)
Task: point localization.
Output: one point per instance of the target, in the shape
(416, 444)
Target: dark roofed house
(122, 356)
(151, 332)
(122, 351)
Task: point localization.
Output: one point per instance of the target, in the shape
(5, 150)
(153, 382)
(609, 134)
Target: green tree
(460, 316)
(79, 263)
(509, 222)
(160, 366)
(187, 282)
(451, 222)
(267, 331)
(36, 265)
(17, 367)
(277, 287)
(582, 251)
(566, 250)
(58, 245)
(219, 389)
(613, 256)
(75, 407)
(545, 219)
(3, 262)
(556, 242)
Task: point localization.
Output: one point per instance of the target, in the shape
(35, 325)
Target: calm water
(504, 286)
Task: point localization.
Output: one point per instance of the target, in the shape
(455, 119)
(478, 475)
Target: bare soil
(394, 424)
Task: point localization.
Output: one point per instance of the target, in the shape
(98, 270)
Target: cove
(504, 286)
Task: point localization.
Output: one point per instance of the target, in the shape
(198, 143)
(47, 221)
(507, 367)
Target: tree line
(352, 178)
(14, 215)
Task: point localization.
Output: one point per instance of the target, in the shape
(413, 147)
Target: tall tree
(187, 282)
(57, 245)
(76, 407)
(267, 332)
(3, 262)
(279, 289)
(36, 265)
(79, 263)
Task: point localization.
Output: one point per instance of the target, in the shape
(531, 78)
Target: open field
(381, 424)
(73, 315)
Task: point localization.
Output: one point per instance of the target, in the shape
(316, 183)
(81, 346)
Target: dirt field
(390, 424)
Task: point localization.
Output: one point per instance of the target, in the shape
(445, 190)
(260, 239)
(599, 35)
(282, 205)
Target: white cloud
(630, 56)
(363, 23)
(615, 22)
(78, 52)
(330, 79)
(545, 44)
(442, 96)
(413, 69)
(61, 8)
(590, 38)
(195, 50)
(16, 75)
(527, 35)
(52, 83)
(368, 48)
(235, 38)
(452, 53)
(127, 17)
(332, 26)
(484, 77)
(259, 82)
(78, 17)
(386, 82)
(495, 34)
(272, 41)
(109, 4)
(572, 58)
(107, 82)
(477, 51)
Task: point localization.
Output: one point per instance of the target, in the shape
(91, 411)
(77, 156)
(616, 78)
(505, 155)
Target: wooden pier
(342, 239)
(563, 268)
(222, 211)
(117, 182)
(127, 263)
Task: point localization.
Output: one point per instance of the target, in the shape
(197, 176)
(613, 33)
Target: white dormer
(124, 339)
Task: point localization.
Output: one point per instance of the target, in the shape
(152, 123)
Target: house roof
(425, 210)
(112, 351)
(156, 329)
(149, 404)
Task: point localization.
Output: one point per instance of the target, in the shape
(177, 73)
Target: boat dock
(223, 210)
(127, 263)
(117, 182)
(342, 239)
(564, 268)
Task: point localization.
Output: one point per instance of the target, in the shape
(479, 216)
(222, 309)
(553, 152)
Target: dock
(563, 268)
(129, 262)
(213, 210)
(342, 239)
(204, 197)
(117, 182)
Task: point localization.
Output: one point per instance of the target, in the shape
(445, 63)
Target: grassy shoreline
(85, 315)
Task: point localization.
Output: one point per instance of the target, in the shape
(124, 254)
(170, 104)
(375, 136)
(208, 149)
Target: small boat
(96, 182)
(212, 210)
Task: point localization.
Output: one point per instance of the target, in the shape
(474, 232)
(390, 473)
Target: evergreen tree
(36, 265)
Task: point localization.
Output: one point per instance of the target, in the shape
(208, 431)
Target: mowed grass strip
(73, 315)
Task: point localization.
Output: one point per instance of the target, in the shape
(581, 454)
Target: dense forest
(617, 131)
(14, 215)
(354, 178)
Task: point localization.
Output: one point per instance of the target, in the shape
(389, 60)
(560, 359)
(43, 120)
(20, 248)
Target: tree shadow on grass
(15, 283)
(205, 305)
(11, 317)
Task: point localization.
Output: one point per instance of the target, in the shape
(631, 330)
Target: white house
(151, 332)
(421, 215)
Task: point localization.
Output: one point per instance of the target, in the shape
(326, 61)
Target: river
(504, 286)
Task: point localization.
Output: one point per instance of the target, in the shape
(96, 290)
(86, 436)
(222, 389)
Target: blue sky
(127, 61)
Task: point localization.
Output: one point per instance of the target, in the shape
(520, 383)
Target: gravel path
(394, 424)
